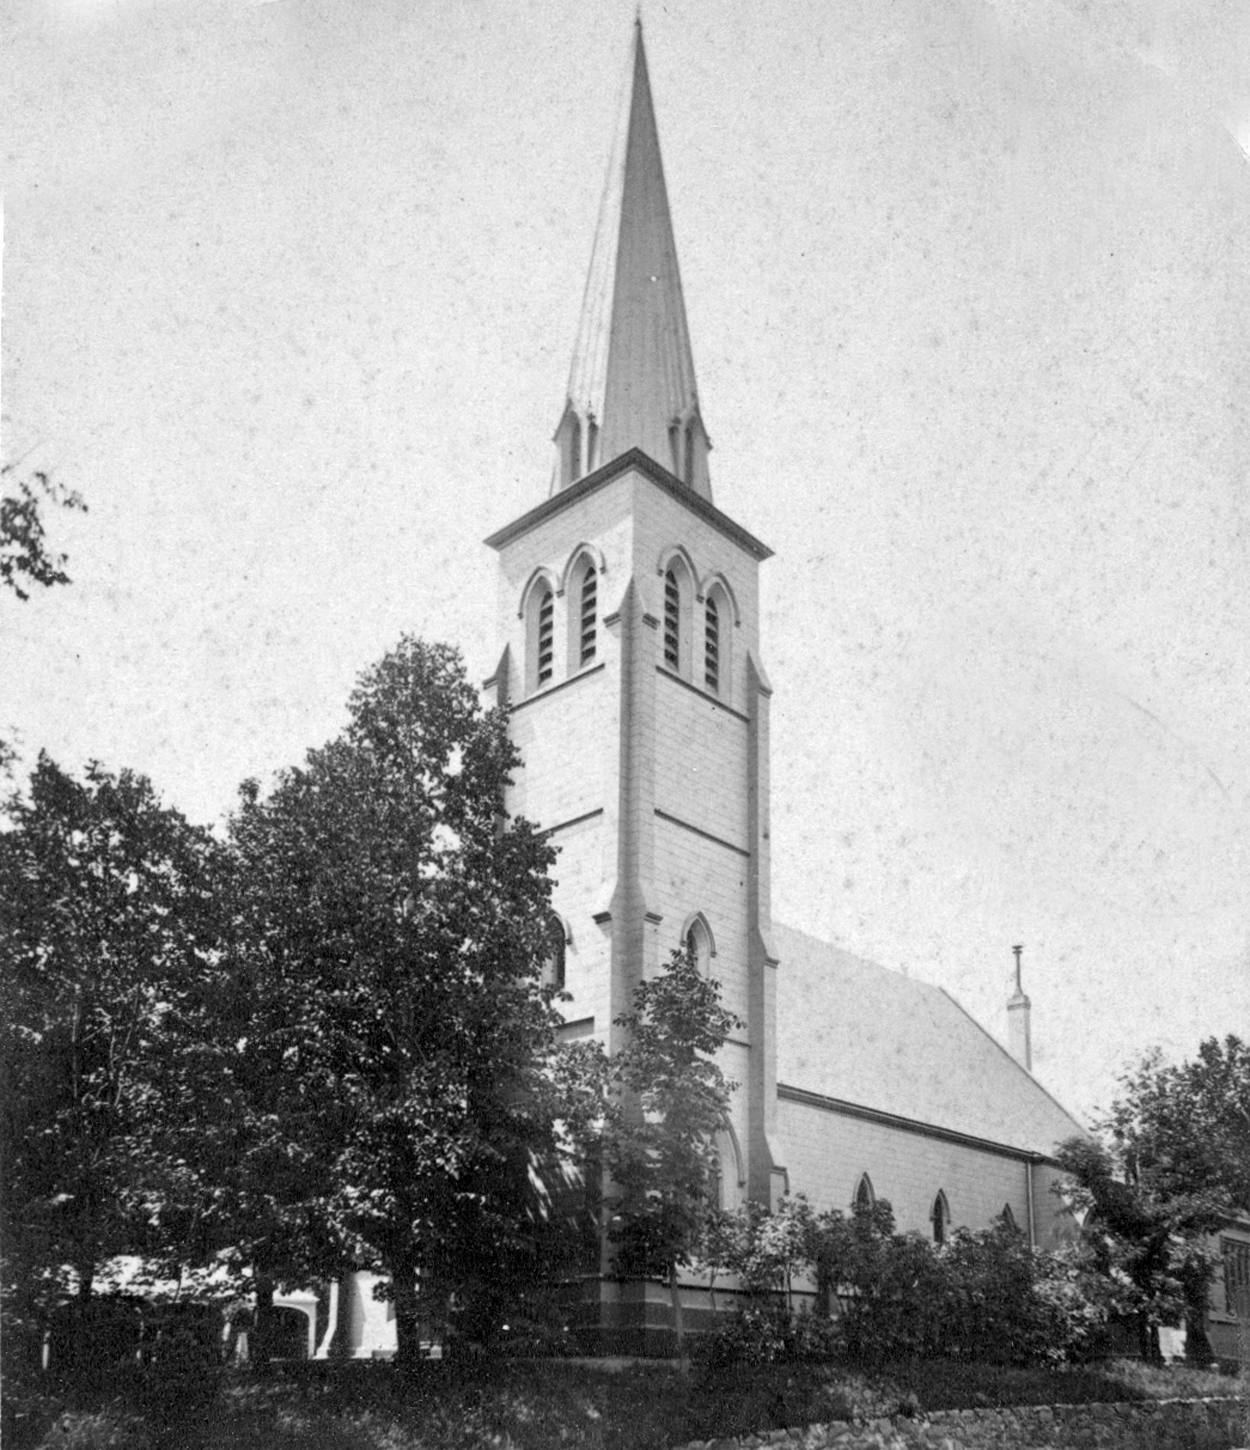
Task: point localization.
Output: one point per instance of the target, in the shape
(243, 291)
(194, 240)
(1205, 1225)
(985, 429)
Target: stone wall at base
(1207, 1424)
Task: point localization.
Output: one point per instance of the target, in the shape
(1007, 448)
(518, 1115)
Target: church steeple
(632, 383)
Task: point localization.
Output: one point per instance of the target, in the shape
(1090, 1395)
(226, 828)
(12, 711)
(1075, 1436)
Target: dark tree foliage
(393, 1038)
(25, 558)
(668, 1099)
(1187, 1128)
(1177, 1166)
(108, 939)
(1146, 1234)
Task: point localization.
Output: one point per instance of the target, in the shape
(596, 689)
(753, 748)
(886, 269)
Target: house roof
(860, 1034)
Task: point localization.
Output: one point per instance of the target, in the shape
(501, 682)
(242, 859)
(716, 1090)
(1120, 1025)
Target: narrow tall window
(711, 647)
(699, 947)
(554, 966)
(546, 636)
(689, 459)
(672, 621)
(941, 1218)
(590, 605)
(864, 1196)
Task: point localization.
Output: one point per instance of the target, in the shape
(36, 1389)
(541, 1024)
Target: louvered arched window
(711, 645)
(589, 615)
(546, 636)
(672, 621)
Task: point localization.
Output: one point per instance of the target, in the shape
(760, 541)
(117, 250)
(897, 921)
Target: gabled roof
(633, 371)
(859, 1034)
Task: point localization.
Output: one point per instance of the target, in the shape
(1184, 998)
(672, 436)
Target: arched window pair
(684, 633)
(541, 661)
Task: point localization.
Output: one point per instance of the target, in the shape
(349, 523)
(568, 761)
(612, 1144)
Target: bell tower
(628, 614)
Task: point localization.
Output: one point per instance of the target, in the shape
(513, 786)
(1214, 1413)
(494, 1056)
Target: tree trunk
(78, 1349)
(407, 1320)
(261, 1337)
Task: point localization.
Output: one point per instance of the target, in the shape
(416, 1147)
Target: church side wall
(826, 1153)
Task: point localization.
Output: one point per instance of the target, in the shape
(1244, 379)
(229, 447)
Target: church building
(632, 670)
(628, 613)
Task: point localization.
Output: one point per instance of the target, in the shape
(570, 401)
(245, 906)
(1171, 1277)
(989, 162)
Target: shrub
(883, 1296)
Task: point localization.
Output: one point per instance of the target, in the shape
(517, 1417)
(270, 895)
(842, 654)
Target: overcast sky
(290, 292)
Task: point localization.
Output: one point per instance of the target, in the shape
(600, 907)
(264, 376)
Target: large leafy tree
(393, 1034)
(109, 939)
(668, 1099)
(1176, 1163)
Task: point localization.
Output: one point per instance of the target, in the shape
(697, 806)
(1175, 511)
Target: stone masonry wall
(1139, 1425)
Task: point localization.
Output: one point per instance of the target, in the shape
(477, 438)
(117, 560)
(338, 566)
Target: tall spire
(632, 380)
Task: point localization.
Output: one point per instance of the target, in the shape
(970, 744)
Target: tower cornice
(637, 461)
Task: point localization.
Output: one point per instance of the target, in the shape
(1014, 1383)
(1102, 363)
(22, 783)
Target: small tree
(668, 1100)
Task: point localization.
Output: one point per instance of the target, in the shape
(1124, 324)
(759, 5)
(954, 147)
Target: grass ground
(542, 1406)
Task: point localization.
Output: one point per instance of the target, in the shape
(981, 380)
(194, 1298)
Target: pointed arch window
(941, 1216)
(711, 645)
(546, 636)
(698, 945)
(555, 963)
(589, 615)
(1008, 1219)
(865, 1199)
(672, 621)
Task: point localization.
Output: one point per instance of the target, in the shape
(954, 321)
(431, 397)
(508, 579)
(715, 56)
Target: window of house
(1007, 1218)
(688, 461)
(672, 621)
(590, 616)
(941, 1218)
(1236, 1256)
(865, 1198)
(711, 645)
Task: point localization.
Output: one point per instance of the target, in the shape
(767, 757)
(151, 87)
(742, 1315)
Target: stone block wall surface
(1208, 1424)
